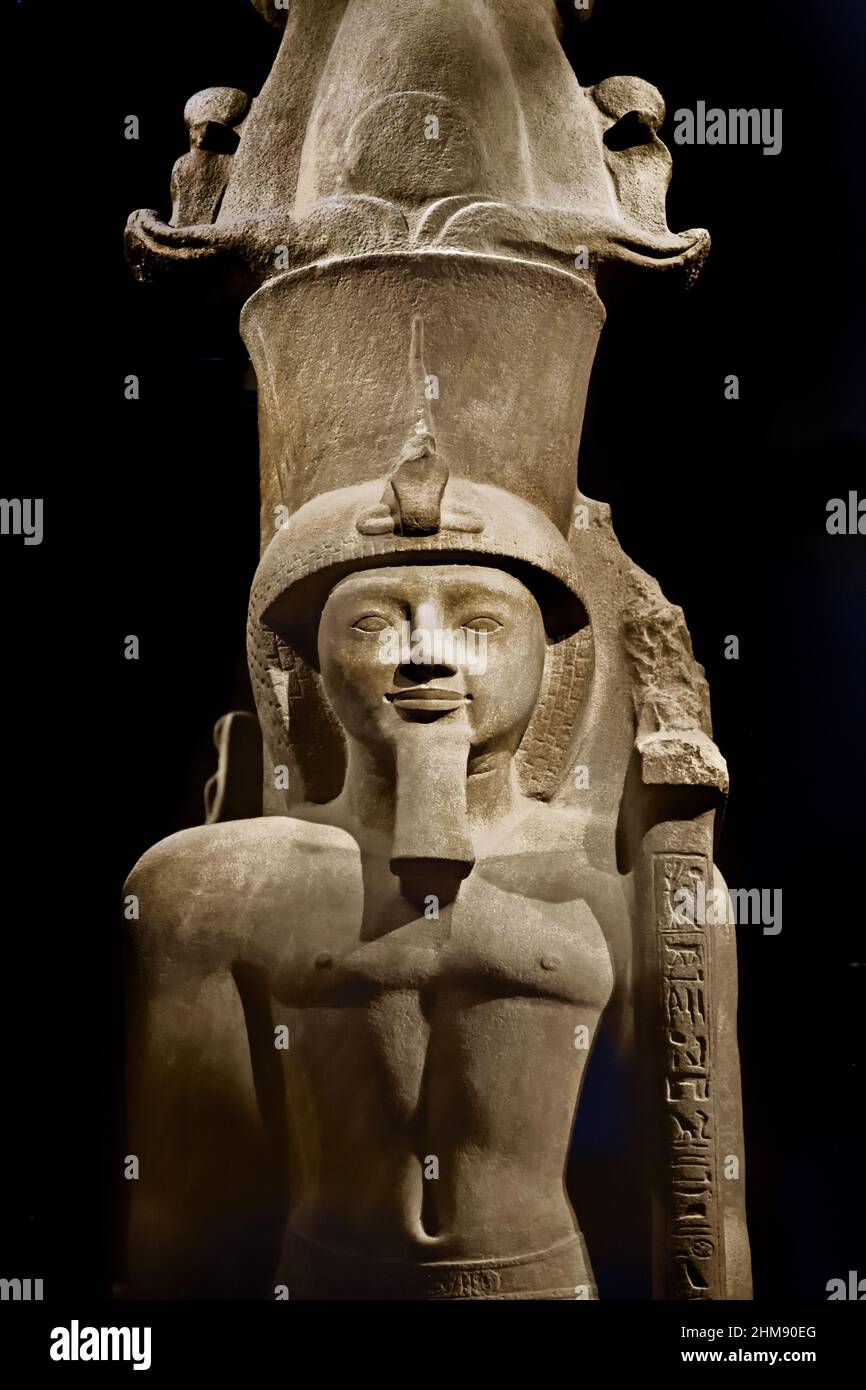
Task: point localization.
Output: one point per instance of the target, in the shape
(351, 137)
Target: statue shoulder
(203, 882)
(558, 841)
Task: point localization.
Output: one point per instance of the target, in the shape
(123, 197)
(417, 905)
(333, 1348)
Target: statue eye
(482, 624)
(371, 622)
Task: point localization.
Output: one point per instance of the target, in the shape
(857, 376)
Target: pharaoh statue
(423, 1023)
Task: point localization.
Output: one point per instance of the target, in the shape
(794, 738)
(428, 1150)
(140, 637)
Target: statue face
(434, 644)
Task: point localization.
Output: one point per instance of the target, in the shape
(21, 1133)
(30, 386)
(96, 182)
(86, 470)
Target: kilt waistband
(313, 1271)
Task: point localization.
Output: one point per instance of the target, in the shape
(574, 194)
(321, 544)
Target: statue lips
(428, 699)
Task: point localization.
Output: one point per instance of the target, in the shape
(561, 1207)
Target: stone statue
(366, 1009)
(442, 942)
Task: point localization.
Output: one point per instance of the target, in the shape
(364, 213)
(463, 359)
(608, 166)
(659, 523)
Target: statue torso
(432, 1064)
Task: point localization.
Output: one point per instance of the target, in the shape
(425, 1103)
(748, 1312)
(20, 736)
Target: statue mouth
(428, 699)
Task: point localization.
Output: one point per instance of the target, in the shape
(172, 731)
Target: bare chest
(489, 943)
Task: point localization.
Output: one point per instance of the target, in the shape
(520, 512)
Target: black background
(151, 522)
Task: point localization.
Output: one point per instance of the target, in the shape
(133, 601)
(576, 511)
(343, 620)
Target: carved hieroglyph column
(423, 212)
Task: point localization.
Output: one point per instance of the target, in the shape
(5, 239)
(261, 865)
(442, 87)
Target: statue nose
(422, 673)
(427, 615)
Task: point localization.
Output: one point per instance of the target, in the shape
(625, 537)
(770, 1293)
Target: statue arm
(204, 1215)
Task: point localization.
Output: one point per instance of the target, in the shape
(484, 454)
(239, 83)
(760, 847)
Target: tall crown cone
(508, 350)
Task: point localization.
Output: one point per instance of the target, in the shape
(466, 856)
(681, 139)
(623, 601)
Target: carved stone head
(356, 613)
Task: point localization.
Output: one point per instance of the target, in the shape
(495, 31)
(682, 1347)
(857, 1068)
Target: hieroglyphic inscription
(693, 1245)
